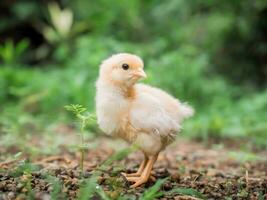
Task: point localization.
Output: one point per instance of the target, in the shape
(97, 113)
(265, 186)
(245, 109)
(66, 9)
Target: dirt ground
(217, 172)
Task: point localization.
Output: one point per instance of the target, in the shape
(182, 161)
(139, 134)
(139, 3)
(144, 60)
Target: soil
(216, 172)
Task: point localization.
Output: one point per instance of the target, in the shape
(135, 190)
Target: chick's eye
(125, 66)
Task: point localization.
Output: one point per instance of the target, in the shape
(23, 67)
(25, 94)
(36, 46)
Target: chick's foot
(131, 175)
(145, 174)
(139, 171)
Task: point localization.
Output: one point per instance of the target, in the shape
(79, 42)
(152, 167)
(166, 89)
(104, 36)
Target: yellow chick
(140, 114)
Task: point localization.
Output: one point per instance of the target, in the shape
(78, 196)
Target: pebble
(167, 186)
(77, 174)
(49, 189)
(85, 175)
(162, 173)
(175, 178)
(11, 195)
(2, 186)
(24, 190)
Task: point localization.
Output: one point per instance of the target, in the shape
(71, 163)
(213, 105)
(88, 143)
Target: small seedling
(11, 53)
(57, 186)
(84, 119)
(154, 191)
(27, 179)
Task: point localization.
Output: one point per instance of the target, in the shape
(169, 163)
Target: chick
(140, 114)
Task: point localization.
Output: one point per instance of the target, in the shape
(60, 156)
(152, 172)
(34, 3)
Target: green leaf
(75, 108)
(17, 155)
(24, 167)
(56, 187)
(87, 189)
(90, 187)
(188, 191)
(21, 47)
(153, 192)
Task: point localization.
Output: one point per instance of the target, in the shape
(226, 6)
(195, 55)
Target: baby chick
(140, 114)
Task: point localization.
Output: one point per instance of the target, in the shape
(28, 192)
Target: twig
(247, 180)
(2, 164)
(52, 158)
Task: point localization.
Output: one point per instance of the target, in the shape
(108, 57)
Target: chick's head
(123, 69)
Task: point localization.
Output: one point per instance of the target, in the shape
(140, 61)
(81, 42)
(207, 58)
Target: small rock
(100, 180)
(11, 195)
(114, 194)
(167, 186)
(24, 190)
(49, 189)
(76, 174)
(45, 197)
(21, 197)
(86, 174)
(175, 178)
(162, 173)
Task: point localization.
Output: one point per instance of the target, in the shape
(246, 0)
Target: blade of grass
(102, 194)
(24, 167)
(153, 192)
(56, 187)
(30, 192)
(188, 191)
(90, 188)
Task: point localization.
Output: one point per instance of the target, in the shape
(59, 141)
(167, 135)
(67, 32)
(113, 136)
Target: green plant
(241, 156)
(27, 178)
(11, 53)
(188, 191)
(56, 185)
(84, 119)
(61, 23)
(153, 192)
(89, 187)
(24, 167)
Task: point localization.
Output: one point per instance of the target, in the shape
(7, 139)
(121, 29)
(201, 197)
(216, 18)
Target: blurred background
(212, 54)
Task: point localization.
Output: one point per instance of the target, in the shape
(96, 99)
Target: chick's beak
(140, 73)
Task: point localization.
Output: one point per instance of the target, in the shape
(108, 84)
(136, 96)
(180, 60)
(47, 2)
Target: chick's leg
(140, 169)
(146, 173)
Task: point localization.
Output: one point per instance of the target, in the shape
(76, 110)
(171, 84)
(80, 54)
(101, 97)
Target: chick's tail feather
(186, 111)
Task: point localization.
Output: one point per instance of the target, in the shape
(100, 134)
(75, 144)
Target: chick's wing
(147, 114)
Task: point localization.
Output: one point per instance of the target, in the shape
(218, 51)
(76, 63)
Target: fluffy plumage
(137, 113)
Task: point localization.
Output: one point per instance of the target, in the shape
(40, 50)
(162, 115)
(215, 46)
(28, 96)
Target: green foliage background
(211, 54)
